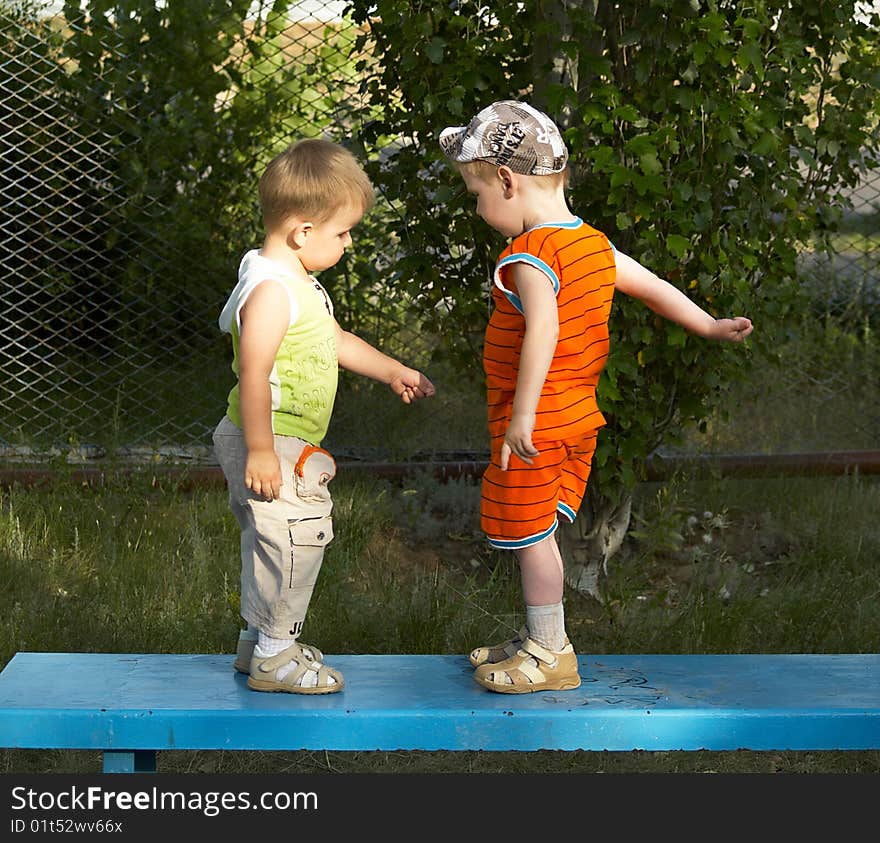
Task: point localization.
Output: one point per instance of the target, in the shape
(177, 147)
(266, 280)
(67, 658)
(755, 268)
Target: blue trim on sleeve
(537, 263)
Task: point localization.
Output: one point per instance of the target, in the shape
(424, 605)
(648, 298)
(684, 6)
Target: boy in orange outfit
(545, 347)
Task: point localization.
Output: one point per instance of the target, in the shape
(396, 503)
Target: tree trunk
(550, 64)
(596, 535)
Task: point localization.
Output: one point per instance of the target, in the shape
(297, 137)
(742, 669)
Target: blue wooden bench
(132, 706)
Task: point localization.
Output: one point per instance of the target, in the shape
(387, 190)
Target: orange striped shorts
(522, 506)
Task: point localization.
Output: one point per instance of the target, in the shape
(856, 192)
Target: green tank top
(304, 378)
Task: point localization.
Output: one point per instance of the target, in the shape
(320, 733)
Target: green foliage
(435, 66)
(178, 170)
(711, 146)
(709, 140)
(189, 101)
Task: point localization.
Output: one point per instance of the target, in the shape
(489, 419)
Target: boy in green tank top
(287, 350)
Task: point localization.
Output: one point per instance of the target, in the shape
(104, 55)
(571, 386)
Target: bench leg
(130, 761)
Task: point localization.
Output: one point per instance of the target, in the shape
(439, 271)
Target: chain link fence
(128, 160)
(821, 384)
(129, 167)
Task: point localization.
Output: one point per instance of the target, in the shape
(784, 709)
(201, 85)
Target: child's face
(493, 204)
(326, 242)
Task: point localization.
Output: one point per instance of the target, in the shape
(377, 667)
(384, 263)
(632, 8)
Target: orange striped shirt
(579, 262)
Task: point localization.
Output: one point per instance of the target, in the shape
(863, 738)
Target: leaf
(750, 54)
(628, 113)
(678, 245)
(620, 175)
(676, 336)
(435, 50)
(650, 164)
(766, 144)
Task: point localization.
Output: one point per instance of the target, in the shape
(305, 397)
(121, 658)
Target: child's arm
(265, 317)
(539, 344)
(358, 356)
(668, 301)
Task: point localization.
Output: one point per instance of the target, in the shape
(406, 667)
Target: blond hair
(485, 171)
(312, 179)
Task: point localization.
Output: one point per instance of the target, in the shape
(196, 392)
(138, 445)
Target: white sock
(270, 646)
(547, 625)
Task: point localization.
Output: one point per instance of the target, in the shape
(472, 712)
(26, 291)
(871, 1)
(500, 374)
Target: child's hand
(731, 330)
(262, 474)
(410, 385)
(518, 440)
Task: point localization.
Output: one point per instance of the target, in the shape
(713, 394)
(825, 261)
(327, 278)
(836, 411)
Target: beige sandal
(263, 673)
(494, 653)
(245, 650)
(531, 668)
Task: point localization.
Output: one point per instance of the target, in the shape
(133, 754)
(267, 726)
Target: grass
(711, 566)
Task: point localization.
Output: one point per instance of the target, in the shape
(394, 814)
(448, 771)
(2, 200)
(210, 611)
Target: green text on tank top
(306, 371)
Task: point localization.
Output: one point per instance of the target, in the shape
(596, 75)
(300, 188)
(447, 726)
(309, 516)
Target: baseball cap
(508, 133)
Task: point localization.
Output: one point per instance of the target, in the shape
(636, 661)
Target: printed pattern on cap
(509, 133)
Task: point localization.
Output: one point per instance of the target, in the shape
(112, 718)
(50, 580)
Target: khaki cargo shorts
(282, 541)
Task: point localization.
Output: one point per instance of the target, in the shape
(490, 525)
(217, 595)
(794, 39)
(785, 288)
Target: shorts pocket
(311, 532)
(308, 538)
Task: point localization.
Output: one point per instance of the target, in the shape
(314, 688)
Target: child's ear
(298, 234)
(505, 175)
